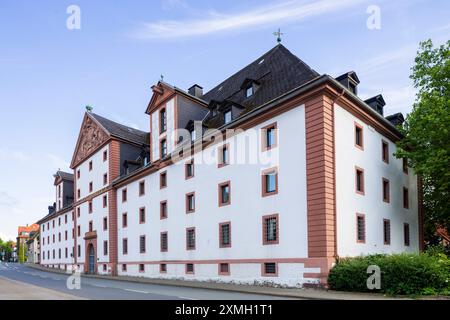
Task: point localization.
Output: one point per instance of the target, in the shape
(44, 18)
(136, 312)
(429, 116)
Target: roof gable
(161, 93)
(92, 136)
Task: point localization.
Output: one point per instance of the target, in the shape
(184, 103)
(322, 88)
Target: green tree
(427, 133)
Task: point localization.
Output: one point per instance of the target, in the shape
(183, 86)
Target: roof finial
(278, 34)
(89, 108)
(162, 78)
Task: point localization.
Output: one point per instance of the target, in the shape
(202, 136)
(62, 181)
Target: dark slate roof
(120, 131)
(277, 72)
(64, 175)
(396, 118)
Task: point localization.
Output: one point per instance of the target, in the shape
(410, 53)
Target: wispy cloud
(214, 22)
(13, 155)
(58, 162)
(6, 200)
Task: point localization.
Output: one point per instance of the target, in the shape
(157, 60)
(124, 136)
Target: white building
(268, 177)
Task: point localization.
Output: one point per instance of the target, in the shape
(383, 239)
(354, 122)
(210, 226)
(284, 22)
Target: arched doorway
(91, 251)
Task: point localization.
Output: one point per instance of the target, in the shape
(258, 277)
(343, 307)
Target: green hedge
(406, 274)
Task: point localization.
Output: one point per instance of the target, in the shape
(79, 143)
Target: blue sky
(48, 73)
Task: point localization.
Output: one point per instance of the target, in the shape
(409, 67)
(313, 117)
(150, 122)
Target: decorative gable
(161, 93)
(92, 136)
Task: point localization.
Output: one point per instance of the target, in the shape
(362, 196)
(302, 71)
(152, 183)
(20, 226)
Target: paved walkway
(15, 290)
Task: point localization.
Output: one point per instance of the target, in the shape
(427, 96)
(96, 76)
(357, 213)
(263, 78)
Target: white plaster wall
(99, 167)
(154, 118)
(49, 246)
(371, 204)
(245, 212)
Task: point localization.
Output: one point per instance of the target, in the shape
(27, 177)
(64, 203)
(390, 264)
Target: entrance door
(91, 259)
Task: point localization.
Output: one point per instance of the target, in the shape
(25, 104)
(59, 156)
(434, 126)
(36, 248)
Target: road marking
(100, 286)
(138, 291)
(186, 298)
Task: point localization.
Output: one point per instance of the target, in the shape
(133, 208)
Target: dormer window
(227, 117)
(249, 91)
(162, 121)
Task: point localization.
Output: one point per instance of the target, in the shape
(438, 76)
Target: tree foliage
(427, 133)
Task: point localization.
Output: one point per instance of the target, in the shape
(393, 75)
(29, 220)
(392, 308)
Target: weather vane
(89, 108)
(278, 34)
(162, 78)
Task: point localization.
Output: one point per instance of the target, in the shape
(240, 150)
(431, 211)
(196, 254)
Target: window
(65, 219)
(65, 235)
(59, 237)
(104, 267)
(59, 253)
(190, 239)
(142, 215)
(105, 247)
(66, 253)
(224, 194)
(164, 242)
(141, 267)
(163, 148)
(162, 121)
(163, 268)
(385, 151)
(105, 179)
(105, 155)
(189, 169)
(360, 228)
(90, 166)
(269, 137)
(91, 227)
(387, 231)
(190, 202)
(53, 223)
(124, 246)
(124, 195)
(406, 234)
(78, 212)
(124, 267)
(189, 268)
(249, 91)
(124, 220)
(163, 209)
(269, 182)
(73, 216)
(59, 191)
(270, 269)
(78, 174)
(78, 193)
(78, 231)
(163, 180)
(405, 198)
(224, 269)
(359, 137)
(105, 223)
(386, 192)
(59, 221)
(79, 250)
(359, 180)
(405, 165)
(141, 188)
(105, 201)
(225, 235)
(142, 244)
(270, 228)
(43, 227)
(91, 186)
(223, 155)
(227, 117)
(90, 206)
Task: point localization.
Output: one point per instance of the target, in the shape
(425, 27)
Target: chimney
(376, 103)
(350, 81)
(196, 91)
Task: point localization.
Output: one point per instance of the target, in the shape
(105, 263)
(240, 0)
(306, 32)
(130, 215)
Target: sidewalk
(15, 290)
(316, 294)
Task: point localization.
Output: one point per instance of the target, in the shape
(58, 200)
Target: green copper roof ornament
(278, 34)
(162, 77)
(89, 108)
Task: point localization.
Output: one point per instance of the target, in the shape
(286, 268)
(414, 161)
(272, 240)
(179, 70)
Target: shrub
(407, 274)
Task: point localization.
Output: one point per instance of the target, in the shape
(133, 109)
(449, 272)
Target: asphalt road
(105, 289)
